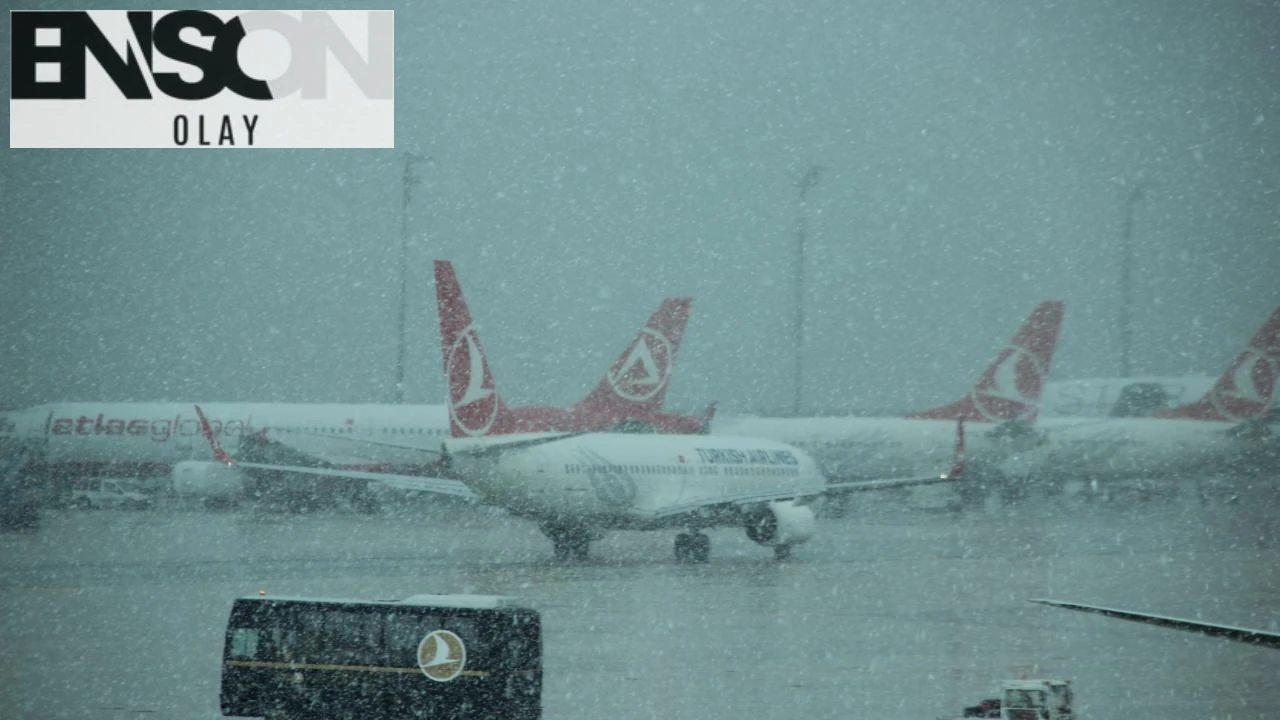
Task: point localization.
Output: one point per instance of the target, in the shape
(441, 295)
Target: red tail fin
(1010, 388)
(637, 381)
(474, 404)
(1247, 389)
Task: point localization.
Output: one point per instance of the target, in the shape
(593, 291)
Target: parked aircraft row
(401, 443)
(579, 483)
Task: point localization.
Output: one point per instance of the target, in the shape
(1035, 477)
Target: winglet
(1010, 388)
(214, 445)
(637, 381)
(1248, 388)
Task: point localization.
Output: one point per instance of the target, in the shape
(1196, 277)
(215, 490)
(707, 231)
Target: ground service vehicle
(101, 493)
(427, 656)
(1027, 700)
(1035, 700)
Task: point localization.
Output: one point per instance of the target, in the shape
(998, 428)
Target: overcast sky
(592, 158)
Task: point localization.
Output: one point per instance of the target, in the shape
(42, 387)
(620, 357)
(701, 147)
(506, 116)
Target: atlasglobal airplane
(163, 441)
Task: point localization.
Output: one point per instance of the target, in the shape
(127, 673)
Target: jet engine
(207, 480)
(781, 523)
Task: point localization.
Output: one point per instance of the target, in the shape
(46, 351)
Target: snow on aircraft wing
(439, 486)
(1244, 635)
(956, 473)
(323, 449)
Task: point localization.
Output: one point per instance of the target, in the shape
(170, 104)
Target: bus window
(244, 643)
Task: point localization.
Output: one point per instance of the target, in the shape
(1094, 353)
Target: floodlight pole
(806, 183)
(407, 181)
(1136, 194)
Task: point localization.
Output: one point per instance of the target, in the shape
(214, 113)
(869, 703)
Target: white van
(102, 493)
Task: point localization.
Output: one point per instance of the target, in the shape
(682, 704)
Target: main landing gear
(569, 542)
(692, 547)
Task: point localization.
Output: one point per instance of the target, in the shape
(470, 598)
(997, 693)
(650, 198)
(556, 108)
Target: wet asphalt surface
(900, 609)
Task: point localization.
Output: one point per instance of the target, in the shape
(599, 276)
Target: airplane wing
(496, 445)
(439, 486)
(283, 447)
(955, 474)
(1244, 635)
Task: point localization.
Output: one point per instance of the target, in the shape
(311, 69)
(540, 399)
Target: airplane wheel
(781, 552)
(692, 548)
(562, 549)
(701, 547)
(580, 548)
(570, 544)
(682, 548)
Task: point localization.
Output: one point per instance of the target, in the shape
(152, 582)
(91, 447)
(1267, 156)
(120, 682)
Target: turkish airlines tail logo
(637, 381)
(473, 397)
(1248, 388)
(1010, 388)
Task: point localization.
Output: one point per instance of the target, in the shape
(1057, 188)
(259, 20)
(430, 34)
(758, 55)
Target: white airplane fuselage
(1104, 449)
(151, 439)
(613, 481)
(856, 448)
(1100, 397)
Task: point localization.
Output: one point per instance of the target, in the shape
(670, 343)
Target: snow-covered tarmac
(889, 612)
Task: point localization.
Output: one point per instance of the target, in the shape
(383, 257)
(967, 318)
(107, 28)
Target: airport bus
(427, 656)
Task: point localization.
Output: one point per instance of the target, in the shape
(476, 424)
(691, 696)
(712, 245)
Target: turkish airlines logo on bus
(645, 370)
(473, 399)
(1249, 388)
(442, 655)
(1012, 386)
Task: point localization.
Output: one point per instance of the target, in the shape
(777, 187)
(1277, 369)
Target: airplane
(579, 485)
(1229, 428)
(1003, 402)
(1261, 638)
(1152, 396)
(1140, 396)
(161, 441)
